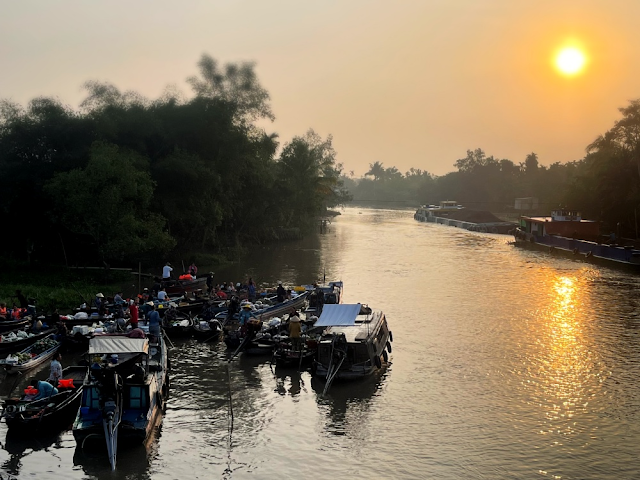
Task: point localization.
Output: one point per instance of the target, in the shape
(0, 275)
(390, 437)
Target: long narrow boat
(8, 325)
(180, 287)
(47, 414)
(32, 356)
(19, 343)
(124, 394)
(277, 310)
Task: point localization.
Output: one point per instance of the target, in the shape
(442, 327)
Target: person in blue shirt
(245, 314)
(153, 320)
(45, 389)
(251, 290)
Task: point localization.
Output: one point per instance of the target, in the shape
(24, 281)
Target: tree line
(124, 177)
(604, 185)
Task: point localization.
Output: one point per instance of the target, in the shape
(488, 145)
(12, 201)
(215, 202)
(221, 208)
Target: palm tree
(376, 170)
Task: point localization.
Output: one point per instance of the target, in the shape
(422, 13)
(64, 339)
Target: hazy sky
(406, 83)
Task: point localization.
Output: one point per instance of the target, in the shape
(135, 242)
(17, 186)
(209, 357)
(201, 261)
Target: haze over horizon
(413, 84)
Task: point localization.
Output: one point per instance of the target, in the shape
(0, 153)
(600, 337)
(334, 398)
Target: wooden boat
(331, 295)
(8, 325)
(277, 310)
(286, 356)
(354, 343)
(36, 356)
(180, 287)
(47, 414)
(181, 327)
(206, 330)
(21, 343)
(124, 394)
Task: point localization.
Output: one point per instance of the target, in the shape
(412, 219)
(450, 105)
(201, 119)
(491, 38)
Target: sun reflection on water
(564, 369)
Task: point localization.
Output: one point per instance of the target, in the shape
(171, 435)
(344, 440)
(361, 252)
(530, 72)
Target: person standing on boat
(210, 284)
(251, 290)
(295, 331)
(100, 303)
(234, 306)
(193, 270)
(166, 271)
(153, 320)
(246, 314)
(133, 314)
(281, 293)
(22, 299)
(118, 300)
(56, 370)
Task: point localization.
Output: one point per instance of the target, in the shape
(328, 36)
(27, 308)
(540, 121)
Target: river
(506, 363)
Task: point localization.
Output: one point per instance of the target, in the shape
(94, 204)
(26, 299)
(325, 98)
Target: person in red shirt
(133, 314)
(220, 294)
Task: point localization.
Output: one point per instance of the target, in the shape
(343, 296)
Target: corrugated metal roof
(338, 315)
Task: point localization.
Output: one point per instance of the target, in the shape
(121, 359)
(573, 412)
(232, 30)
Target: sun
(570, 61)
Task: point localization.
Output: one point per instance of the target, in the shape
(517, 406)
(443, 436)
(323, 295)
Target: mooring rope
(230, 428)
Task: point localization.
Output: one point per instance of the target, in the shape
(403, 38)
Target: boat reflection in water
(20, 447)
(348, 403)
(133, 462)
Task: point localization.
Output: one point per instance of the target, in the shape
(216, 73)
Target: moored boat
(181, 287)
(47, 414)
(32, 356)
(124, 393)
(13, 324)
(21, 339)
(354, 343)
(448, 212)
(566, 232)
(206, 330)
(285, 355)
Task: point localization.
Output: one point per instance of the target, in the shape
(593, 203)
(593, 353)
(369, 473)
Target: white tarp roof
(338, 315)
(108, 344)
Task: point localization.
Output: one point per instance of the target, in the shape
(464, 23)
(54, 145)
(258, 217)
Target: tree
(236, 83)
(109, 202)
(376, 170)
(309, 177)
(531, 163)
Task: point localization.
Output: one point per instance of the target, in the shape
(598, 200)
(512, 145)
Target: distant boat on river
(565, 231)
(454, 215)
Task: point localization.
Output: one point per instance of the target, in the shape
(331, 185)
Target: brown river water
(506, 363)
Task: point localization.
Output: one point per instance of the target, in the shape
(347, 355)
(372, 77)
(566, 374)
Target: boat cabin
(357, 332)
(442, 210)
(564, 223)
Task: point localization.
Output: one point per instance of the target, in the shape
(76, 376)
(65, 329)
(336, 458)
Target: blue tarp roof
(338, 315)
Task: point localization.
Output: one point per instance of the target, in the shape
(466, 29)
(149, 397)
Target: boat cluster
(119, 393)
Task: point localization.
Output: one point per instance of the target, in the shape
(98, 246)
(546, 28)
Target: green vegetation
(127, 179)
(55, 288)
(604, 185)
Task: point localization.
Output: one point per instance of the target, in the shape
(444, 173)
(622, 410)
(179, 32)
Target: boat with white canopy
(354, 343)
(124, 392)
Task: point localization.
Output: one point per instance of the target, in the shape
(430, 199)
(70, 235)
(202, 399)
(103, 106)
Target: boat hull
(602, 254)
(48, 419)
